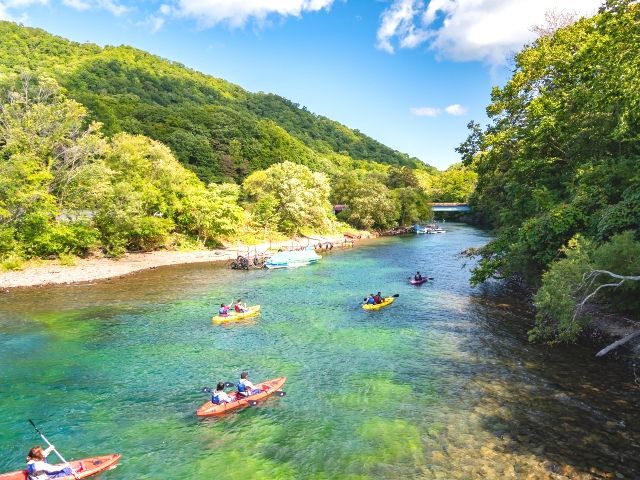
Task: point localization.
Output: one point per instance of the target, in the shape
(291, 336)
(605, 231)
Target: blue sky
(409, 73)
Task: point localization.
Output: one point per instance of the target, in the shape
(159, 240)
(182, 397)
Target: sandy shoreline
(92, 269)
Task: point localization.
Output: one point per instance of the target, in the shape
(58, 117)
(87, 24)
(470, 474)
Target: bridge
(450, 207)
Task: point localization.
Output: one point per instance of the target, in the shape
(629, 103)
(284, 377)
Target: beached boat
(83, 468)
(293, 259)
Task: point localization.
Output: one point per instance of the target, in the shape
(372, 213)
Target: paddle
(211, 390)
(73, 472)
(428, 278)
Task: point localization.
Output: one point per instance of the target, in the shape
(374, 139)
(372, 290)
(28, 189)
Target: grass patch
(13, 262)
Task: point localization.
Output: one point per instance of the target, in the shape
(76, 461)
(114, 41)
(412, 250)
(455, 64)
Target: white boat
(293, 259)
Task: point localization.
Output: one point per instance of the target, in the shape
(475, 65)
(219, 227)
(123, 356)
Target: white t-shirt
(248, 386)
(223, 397)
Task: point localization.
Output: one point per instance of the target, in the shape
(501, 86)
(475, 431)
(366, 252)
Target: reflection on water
(442, 384)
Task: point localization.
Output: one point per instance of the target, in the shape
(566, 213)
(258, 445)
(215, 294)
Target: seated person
(417, 277)
(378, 298)
(240, 307)
(220, 396)
(245, 387)
(370, 300)
(39, 469)
(223, 311)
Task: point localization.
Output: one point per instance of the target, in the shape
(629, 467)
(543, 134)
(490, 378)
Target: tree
(301, 196)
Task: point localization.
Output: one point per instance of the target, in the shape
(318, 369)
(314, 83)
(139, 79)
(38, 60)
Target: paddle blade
(228, 384)
(206, 390)
(395, 295)
(253, 403)
(280, 393)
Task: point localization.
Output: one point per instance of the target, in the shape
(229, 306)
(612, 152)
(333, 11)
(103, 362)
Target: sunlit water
(441, 385)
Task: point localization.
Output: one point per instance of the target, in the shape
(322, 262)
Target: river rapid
(440, 385)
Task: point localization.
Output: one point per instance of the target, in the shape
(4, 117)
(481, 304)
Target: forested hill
(218, 129)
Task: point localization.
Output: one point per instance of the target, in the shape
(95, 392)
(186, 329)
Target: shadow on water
(577, 415)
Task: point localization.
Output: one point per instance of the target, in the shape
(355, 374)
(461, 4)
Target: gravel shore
(92, 269)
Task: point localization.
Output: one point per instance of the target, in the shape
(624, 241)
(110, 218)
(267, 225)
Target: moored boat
(210, 409)
(293, 259)
(234, 316)
(83, 468)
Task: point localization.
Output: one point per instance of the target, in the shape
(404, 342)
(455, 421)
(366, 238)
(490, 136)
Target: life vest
(237, 308)
(223, 310)
(34, 474)
(215, 398)
(241, 387)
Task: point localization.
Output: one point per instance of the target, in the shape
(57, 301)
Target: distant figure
(39, 469)
(417, 277)
(378, 298)
(245, 387)
(240, 307)
(220, 396)
(223, 310)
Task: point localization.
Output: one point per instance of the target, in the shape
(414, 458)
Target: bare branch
(555, 20)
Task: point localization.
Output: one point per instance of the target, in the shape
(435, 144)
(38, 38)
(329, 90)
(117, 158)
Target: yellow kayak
(385, 303)
(234, 316)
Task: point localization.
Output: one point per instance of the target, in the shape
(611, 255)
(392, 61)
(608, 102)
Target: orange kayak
(84, 468)
(267, 388)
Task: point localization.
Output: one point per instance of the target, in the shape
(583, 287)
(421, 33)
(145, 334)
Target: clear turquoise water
(442, 384)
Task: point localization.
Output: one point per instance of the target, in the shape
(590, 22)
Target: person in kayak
(240, 307)
(370, 300)
(39, 469)
(223, 310)
(220, 396)
(378, 298)
(417, 277)
(245, 387)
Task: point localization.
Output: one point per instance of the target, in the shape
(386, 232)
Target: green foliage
(217, 129)
(562, 154)
(566, 283)
(298, 195)
(12, 261)
(456, 184)
(555, 300)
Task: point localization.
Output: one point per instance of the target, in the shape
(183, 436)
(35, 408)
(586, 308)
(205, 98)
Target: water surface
(441, 385)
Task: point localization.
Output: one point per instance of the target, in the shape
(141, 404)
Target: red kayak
(418, 282)
(267, 388)
(84, 468)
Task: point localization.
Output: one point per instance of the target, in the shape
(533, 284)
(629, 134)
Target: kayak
(385, 303)
(418, 282)
(234, 316)
(267, 388)
(84, 468)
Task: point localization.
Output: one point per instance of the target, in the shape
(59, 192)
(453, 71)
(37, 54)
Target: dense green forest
(559, 171)
(114, 149)
(217, 129)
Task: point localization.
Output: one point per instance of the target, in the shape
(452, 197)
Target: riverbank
(51, 272)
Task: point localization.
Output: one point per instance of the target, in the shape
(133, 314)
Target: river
(440, 385)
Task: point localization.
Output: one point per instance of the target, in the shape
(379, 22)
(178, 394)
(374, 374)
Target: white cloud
(77, 4)
(237, 12)
(455, 109)
(486, 30)
(8, 5)
(425, 111)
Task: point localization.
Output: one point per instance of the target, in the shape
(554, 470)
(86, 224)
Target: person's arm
(45, 467)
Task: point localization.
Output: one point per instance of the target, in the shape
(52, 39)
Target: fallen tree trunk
(616, 344)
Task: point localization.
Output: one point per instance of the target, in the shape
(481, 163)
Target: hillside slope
(218, 129)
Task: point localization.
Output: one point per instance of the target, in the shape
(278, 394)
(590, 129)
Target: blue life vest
(222, 311)
(215, 398)
(241, 387)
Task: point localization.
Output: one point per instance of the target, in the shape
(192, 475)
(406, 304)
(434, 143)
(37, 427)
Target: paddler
(240, 307)
(220, 396)
(417, 277)
(39, 469)
(370, 300)
(245, 387)
(378, 298)
(223, 311)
